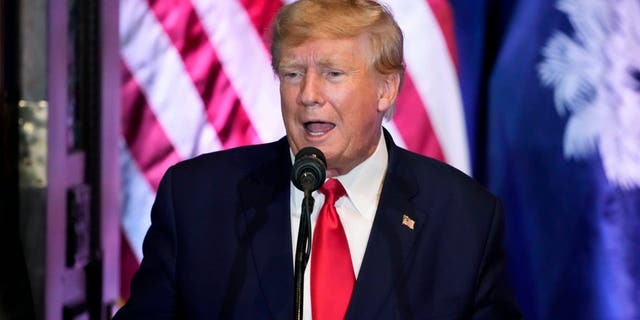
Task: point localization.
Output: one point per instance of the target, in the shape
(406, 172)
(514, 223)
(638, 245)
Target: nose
(311, 90)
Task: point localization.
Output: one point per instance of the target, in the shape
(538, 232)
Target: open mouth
(318, 128)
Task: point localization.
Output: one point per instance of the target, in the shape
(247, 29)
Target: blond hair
(312, 19)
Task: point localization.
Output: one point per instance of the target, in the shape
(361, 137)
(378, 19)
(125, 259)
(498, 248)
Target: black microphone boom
(309, 169)
(308, 174)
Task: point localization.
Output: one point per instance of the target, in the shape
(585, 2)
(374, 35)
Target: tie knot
(333, 190)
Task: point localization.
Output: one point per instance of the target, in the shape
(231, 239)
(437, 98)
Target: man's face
(334, 100)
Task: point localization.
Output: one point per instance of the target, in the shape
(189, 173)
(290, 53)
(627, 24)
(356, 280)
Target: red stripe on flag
(128, 267)
(444, 15)
(413, 122)
(149, 145)
(261, 13)
(224, 109)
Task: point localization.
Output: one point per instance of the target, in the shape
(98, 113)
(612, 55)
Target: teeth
(316, 129)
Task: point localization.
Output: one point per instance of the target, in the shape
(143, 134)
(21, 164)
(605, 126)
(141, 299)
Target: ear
(388, 88)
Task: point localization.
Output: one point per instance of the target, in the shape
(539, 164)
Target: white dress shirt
(356, 210)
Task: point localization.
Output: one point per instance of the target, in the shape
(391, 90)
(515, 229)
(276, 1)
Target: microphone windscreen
(309, 169)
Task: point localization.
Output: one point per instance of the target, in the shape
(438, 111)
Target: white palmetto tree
(595, 75)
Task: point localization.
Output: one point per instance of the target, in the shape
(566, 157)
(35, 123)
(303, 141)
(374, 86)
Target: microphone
(309, 169)
(308, 174)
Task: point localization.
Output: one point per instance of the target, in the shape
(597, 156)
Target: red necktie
(332, 277)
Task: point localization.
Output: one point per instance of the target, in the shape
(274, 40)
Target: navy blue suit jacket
(219, 246)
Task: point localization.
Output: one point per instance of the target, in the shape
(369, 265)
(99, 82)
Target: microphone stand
(303, 249)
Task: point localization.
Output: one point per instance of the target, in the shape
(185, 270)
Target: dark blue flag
(554, 91)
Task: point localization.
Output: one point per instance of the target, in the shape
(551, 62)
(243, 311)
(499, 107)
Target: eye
(290, 75)
(335, 74)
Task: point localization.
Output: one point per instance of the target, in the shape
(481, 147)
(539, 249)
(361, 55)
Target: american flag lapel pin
(408, 222)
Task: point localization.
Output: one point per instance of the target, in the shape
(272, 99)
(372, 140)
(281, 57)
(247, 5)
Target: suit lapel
(390, 240)
(265, 202)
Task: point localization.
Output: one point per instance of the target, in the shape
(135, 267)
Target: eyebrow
(326, 63)
(323, 63)
(289, 64)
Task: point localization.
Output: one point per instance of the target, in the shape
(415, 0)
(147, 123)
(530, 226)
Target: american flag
(197, 78)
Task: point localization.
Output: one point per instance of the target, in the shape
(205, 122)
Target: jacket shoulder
(443, 179)
(239, 159)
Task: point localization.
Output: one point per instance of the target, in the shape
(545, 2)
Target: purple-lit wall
(66, 169)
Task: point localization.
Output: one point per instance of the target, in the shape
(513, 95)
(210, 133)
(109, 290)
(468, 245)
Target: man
(420, 239)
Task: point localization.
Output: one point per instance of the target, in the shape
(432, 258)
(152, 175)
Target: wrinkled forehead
(328, 50)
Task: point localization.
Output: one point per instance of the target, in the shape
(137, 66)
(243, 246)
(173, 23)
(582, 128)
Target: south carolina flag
(563, 153)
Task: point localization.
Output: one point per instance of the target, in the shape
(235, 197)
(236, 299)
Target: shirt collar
(363, 183)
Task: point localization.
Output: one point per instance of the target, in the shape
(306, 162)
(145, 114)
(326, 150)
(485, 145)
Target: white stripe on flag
(435, 77)
(246, 62)
(393, 130)
(137, 200)
(160, 73)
